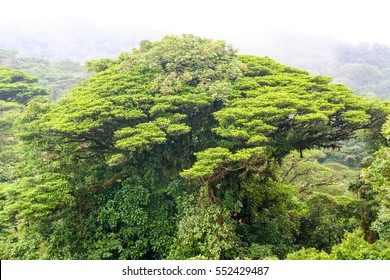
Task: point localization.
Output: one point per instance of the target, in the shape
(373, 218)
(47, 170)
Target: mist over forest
(71, 39)
(364, 67)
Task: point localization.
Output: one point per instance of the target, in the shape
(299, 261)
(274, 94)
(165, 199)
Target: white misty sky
(232, 20)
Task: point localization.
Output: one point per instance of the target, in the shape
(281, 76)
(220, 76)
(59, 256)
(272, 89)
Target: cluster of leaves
(176, 150)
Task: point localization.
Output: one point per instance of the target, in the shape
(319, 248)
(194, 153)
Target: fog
(83, 30)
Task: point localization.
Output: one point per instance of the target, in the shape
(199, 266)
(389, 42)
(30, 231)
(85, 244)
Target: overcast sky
(232, 20)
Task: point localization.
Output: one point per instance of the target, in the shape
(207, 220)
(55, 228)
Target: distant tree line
(57, 76)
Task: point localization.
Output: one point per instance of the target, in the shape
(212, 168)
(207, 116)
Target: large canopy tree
(172, 150)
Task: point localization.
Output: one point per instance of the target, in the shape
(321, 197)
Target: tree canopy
(174, 150)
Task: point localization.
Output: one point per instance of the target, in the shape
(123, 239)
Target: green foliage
(308, 254)
(187, 59)
(261, 252)
(353, 247)
(99, 65)
(7, 139)
(377, 175)
(205, 229)
(132, 222)
(217, 160)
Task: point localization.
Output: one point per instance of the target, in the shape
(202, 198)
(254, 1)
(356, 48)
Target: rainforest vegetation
(184, 149)
(57, 76)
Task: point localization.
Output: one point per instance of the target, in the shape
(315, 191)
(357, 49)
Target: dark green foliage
(327, 219)
(205, 230)
(269, 214)
(127, 221)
